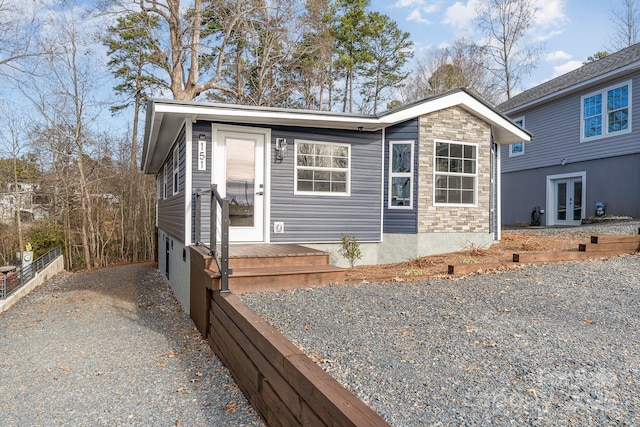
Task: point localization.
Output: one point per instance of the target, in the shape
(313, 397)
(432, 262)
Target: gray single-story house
(418, 180)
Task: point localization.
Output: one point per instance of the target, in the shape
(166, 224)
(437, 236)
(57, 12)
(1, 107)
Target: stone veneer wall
(456, 125)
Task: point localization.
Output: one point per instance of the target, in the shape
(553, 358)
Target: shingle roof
(615, 62)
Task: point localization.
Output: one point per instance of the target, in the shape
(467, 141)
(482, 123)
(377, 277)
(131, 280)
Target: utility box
(600, 208)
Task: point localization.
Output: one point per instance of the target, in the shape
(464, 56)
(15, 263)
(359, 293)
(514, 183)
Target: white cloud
(549, 19)
(566, 67)
(558, 55)
(418, 10)
(549, 13)
(408, 3)
(416, 16)
(460, 15)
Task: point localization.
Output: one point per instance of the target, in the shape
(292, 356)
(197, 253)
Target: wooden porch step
(248, 262)
(256, 279)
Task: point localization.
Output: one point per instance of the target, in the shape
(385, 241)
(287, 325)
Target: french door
(239, 172)
(568, 201)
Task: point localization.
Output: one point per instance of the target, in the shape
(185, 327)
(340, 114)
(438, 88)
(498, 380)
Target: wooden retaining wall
(281, 382)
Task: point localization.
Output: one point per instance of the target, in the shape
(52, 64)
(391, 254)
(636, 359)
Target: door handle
(260, 193)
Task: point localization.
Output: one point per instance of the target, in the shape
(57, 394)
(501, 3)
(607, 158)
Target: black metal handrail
(221, 257)
(14, 281)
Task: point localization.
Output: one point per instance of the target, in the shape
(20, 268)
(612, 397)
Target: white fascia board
(151, 139)
(514, 133)
(272, 117)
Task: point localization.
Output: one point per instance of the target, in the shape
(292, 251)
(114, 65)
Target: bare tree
(262, 56)
(18, 32)
(65, 95)
(198, 39)
(458, 65)
(625, 17)
(505, 23)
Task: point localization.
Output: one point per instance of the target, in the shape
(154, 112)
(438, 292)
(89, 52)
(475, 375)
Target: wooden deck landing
(261, 267)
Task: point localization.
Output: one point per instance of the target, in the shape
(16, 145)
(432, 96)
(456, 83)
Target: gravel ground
(111, 348)
(542, 345)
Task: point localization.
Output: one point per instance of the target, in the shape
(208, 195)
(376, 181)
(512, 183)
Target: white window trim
(164, 181)
(435, 173)
(159, 184)
(605, 122)
(176, 169)
(409, 175)
(320, 193)
(520, 153)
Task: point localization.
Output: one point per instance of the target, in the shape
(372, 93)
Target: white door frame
(551, 196)
(260, 231)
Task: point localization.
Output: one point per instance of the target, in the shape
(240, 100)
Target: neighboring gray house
(585, 148)
(31, 200)
(417, 180)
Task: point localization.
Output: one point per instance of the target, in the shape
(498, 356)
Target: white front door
(239, 172)
(568, 201)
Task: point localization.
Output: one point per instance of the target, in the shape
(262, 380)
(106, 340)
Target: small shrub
(43, 236)
(350, 249)
(469, 261)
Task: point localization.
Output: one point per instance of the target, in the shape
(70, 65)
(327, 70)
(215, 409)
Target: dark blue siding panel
(400, 220)
(321, 218)
(171, 209)
(201, 179)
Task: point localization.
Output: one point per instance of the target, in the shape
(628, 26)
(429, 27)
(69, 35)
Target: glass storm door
(568, 201)
(239, 173)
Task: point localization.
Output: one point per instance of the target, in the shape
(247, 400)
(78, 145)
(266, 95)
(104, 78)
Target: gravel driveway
(111, 347)
(555, 344)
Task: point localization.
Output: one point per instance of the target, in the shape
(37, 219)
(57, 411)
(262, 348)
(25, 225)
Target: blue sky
(569, 30)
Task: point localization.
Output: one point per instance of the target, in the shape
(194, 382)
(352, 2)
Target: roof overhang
(621, 72)
(165, 119)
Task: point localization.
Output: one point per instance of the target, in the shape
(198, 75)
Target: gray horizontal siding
(613, 180)
(321, 218)
(401, 220)
(171, 209)
(556, 128)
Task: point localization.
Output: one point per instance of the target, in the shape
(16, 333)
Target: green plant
(469, 261)
(43, 236)
(350, 249)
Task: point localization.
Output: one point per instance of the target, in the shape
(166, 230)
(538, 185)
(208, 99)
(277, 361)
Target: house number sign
(202, 155)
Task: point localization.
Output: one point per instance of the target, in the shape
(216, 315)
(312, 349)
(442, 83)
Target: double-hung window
(517, 148)
(606, 112)
(456, 173)
(176, 169)
(322, 168)
(401, 174)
